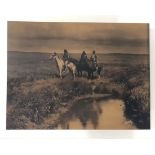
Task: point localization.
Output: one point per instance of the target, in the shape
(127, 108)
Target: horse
(89, 66)
(61, 65)
(86, 65)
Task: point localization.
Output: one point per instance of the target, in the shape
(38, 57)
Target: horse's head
(53, 56)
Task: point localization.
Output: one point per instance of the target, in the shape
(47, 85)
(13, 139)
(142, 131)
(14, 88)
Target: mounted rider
(66, 55)
(84, 57)
(66, 58)
(94, 58)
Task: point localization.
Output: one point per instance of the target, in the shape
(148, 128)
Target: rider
(84, 57)
(94, 58)
(66, 57)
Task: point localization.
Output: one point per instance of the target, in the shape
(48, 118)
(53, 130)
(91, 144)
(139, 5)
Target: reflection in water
(87, 111)
(92, 114)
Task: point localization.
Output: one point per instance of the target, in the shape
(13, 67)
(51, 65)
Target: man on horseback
(61, 64)
(94, 58)
(66, 55)
(83, 57)
(66, 58)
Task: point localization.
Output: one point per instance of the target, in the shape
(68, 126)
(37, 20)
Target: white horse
(61, 65)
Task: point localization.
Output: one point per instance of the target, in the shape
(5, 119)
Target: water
(104, 114)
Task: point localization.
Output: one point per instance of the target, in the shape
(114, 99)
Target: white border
(75, 142)
(73, 133)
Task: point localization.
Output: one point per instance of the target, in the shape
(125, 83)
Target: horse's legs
(99, 75)
(74, 76)
(99, 72)
(60, 73)
(73, 71)
(78, 73)
(89, 74)
(81, 73)
(92, 75)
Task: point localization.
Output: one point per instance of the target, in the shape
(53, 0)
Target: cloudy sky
(76, 37)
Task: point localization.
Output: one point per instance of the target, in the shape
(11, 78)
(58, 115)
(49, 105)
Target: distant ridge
(124, 53)
(28, 52)
(81, 52)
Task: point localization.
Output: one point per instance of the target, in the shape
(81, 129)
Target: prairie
(38, 99)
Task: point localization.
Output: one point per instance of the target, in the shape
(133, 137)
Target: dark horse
(89, 67)
(86, 65)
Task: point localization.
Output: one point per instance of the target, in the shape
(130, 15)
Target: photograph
(78, 76)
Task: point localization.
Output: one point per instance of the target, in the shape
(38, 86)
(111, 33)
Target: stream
(95, 113)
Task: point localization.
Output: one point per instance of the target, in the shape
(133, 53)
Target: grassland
(35, 92)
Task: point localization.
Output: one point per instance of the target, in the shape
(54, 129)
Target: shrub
(138, 105)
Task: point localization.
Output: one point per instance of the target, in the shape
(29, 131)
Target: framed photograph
(76, 75)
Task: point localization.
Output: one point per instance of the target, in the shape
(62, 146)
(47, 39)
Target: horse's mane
(74, 61)
(59, 57)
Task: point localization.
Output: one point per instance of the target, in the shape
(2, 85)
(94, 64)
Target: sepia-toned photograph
(88, 76)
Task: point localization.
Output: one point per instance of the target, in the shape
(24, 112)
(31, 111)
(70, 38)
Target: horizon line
(78, 52)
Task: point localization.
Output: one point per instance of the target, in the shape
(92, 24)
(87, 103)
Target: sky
(76, 37)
